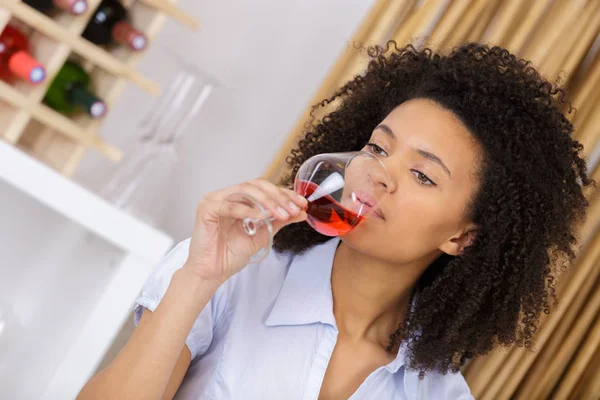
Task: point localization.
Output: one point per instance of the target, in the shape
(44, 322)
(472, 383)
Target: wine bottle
(109, 25)
(69, 92)
(76, 7)
(15, 60)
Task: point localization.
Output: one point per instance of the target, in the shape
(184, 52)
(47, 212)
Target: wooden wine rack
(53, 138)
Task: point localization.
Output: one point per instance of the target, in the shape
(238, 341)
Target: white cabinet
(72, 268)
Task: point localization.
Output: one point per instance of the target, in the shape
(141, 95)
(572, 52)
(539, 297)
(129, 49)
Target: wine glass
(138, 184)
(342, 189)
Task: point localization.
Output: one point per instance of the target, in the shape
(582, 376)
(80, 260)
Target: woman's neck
(370, 297)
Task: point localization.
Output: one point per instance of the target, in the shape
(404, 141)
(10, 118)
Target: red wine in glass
(341, 189)
(326, 215)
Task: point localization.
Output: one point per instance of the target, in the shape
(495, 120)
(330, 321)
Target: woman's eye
(423, 179)
(376, 149)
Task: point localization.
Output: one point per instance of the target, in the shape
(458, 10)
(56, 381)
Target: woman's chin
(362, 235)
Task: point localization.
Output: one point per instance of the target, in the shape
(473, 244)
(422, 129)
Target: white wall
(271, 55)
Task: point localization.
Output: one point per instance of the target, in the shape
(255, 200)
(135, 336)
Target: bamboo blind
(562, 39)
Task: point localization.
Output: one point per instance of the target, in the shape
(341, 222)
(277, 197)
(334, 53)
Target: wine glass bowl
(342, 189)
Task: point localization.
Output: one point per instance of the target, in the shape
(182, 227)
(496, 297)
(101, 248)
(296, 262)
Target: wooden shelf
(94, 54)
(52, 55)
(174, 12)
(4, 18)
(55, 139)
(56, 121)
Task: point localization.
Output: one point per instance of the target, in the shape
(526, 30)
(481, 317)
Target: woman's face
(432, 160)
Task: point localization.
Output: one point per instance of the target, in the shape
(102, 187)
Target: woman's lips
(368, 202)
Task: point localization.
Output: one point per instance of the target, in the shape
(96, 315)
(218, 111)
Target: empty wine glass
(342, 189)
(139, 184)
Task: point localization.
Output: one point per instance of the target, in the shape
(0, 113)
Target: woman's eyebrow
(387, 130)
(424, 153)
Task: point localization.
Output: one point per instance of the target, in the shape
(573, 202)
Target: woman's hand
(157, 347)
(209, 257)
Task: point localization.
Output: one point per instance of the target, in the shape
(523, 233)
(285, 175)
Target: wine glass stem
(251, 225)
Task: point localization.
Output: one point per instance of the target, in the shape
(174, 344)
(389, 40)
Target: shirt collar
(306, 296)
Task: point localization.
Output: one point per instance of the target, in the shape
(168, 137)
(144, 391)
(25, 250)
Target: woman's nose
(382, 179)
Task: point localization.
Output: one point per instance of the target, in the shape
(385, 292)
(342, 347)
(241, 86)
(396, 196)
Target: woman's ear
(456, 244)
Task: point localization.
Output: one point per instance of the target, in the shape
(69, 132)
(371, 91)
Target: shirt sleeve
(201, 335)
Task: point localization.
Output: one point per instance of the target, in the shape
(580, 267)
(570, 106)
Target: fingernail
(282, 212)
(293, 206)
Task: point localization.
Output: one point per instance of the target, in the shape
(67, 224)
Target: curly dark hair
(528, 206)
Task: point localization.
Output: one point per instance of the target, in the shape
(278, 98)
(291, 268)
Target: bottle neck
(125, 34)
(77, 94)
(75, 7)
(23, 65)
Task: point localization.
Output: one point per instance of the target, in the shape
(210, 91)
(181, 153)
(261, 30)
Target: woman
(485, 193)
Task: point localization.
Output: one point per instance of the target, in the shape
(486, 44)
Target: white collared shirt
(269, 332)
